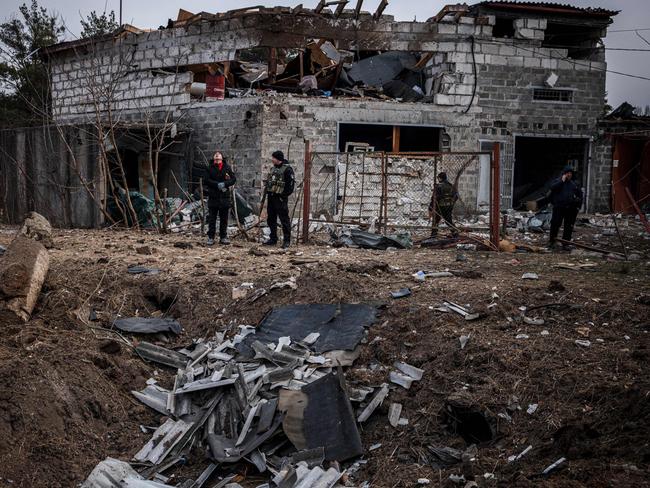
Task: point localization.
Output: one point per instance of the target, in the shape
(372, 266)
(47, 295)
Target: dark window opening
(503, 27)
(129, 160)
(580, 41)
(552, 95)
(379, 137)
(539, 161)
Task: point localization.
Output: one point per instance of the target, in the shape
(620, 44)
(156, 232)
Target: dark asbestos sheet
(148, 325)
(329, 420)
(341, 326)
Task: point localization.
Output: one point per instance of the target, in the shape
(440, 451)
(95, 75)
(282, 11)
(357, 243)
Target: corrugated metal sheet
(542, 7)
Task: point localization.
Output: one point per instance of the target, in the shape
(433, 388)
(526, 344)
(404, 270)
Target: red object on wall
(215, 86)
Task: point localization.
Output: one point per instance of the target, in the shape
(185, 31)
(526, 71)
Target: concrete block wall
(600, 184)
(81, 91)
(234, 127)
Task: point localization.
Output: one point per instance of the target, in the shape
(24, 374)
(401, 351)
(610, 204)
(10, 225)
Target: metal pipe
(495, 199)
(306, 201)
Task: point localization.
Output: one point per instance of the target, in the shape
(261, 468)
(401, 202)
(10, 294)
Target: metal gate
(388, 192)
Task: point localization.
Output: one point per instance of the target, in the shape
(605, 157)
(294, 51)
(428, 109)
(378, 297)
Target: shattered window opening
(581, 42)
(503, 27)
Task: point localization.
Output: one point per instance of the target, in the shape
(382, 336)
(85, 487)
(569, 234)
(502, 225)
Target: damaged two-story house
(528, 75)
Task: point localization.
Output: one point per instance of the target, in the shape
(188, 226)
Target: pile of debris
(274, 396)
(320, 69)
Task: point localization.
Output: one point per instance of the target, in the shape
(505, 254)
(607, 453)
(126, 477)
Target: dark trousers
(222, 213)
(563, 214)
(278, 207)
(446, 214)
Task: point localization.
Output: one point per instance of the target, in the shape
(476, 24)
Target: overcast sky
(635, 14)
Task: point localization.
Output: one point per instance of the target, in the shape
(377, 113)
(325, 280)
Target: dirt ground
(65, 381)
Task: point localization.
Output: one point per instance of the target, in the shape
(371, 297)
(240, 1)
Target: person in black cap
(279, 185)
(566, 198)
(442, 204)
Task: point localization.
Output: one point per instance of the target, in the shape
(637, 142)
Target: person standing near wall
(566, 198)
(443, 199)
(220, 179)
(279, 185)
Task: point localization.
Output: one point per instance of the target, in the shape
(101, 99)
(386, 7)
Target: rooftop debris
(242, 398)
(148, 325)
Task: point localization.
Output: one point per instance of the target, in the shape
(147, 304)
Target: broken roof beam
(321, 5)
(357, 9)
(380, 9)
(457, 10)
(340, 7)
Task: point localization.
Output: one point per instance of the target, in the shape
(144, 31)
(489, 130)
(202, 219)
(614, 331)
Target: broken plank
(247, 425)
(407, 369)
(394, 413)
(205, 384)
(153, 397)
(374, 403)
(162, 441)
(400, 379)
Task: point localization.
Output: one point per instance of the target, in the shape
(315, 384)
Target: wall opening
(539, 161)
(395, 138)
(580, 41)
(631, 170)
(129, 159)
(503, 27)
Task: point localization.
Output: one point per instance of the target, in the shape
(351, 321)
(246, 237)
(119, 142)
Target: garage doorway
(539, 161)
(389, 138)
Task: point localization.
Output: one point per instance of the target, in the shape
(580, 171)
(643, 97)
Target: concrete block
(549, 63)
(464, 68)
(429, 46)
(490, 48)
(440, 99)
(486, 30)
(457, 57)
(515, 61)
(446, 46)
(465, 30)
(525, 33)
(444, 28)
(506, 50)
(530, 62)
(467, 20)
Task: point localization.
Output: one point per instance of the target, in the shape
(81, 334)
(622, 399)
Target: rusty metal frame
(384, 157)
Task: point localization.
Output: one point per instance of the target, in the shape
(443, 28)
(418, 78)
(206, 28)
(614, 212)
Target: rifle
(259, 216)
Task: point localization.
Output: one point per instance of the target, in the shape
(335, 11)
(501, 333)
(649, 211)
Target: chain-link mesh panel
(393, 191)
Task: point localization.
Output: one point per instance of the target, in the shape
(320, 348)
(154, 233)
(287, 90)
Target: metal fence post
(306, 188)
(383, 200)
(495, 195)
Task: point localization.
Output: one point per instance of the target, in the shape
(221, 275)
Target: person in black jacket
(566, 198)
(279, 185)
(220, 178)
